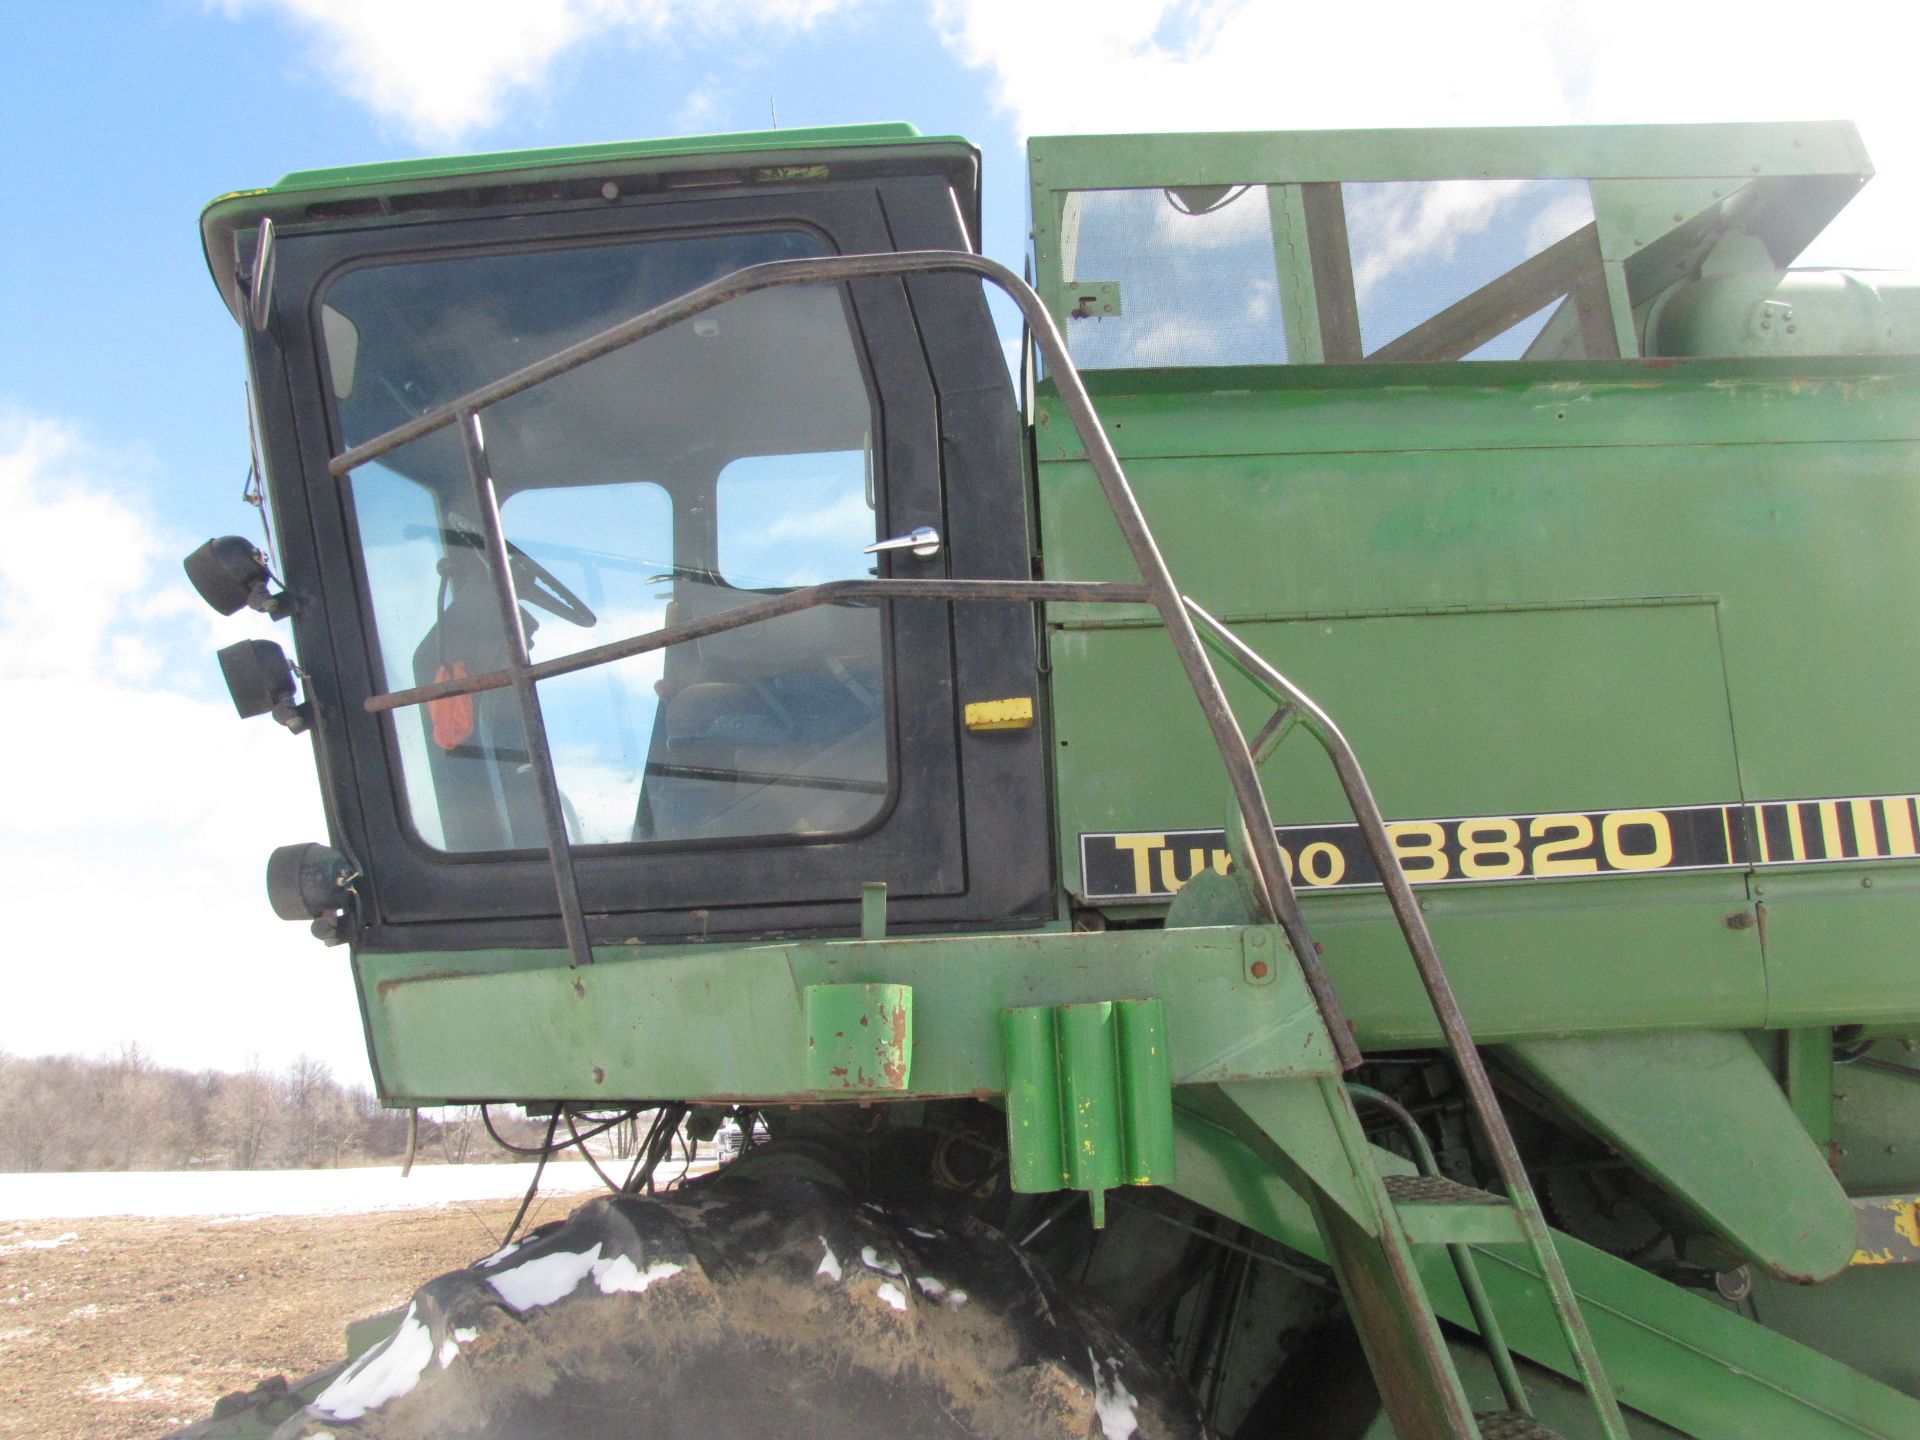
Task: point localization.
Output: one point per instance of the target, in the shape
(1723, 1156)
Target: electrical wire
(580, 1143)
(600, 1127)
(666, 1123)
(533, 1186)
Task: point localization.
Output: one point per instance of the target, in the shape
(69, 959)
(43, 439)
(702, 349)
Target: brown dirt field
(139, 1325)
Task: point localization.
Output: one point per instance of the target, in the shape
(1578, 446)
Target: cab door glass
(725, 458)
(612, 546)
(787, 520)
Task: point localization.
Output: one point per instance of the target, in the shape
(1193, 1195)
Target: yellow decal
(1015, 713)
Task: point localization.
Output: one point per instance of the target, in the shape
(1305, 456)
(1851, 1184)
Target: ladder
(1397, 1324)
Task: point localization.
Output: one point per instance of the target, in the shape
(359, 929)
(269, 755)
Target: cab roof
(459, 182)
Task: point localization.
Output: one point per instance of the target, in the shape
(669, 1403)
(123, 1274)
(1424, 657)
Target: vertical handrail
(1446, 1008)
(553, 815)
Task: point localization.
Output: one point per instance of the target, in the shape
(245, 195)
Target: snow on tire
(752, 1308)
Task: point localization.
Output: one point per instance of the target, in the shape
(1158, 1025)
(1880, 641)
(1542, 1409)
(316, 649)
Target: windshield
(727, 456)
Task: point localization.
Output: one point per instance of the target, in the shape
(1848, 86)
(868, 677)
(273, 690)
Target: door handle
(922, 540)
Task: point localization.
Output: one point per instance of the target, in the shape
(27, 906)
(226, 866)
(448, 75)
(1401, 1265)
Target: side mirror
(230, 573)
(260, 278)
(260, 679)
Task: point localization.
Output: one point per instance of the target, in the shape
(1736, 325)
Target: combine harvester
(732, 693)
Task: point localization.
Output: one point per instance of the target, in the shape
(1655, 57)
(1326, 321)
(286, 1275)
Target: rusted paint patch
(859, 1037)
(894, 1054)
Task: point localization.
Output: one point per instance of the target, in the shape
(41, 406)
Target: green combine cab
(1338, 858)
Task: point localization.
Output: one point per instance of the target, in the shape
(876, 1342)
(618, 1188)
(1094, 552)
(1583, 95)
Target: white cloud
(1404, 223)
(444, 69)
(1119, 66)
(138, 808)
(701, 110)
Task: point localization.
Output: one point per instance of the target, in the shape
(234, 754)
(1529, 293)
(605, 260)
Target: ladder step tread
(1511, 1425)
(1435, 1190)
(1436, 1211)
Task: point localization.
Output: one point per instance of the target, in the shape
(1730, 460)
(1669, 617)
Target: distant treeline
(124, 1112)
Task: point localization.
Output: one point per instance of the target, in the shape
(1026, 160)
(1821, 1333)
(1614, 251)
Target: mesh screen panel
(1419, 246)
(1195, 272)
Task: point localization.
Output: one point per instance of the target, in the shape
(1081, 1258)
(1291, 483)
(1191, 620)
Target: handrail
(1266, 866)
(833, 592)
(1446, 1007)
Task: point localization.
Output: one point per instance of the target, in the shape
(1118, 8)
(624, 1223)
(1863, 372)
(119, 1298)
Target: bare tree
(247, 1118)
(26, 1134)
(318, 1118)
(134, 1119)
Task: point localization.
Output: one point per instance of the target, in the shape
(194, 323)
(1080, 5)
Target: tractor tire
(742, 1308)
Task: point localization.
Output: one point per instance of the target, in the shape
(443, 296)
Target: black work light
(230, 573)
(260, 679)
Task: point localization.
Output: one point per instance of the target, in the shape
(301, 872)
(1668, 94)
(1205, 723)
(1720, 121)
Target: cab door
(745, 782)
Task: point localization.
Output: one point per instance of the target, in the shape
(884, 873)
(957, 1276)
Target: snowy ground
(257, 1194)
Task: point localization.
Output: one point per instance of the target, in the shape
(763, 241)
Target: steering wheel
(537, 586)
(532, 582)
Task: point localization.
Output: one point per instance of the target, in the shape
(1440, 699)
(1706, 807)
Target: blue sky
(138, 810)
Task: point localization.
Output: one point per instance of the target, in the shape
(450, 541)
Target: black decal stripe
(1153, 865)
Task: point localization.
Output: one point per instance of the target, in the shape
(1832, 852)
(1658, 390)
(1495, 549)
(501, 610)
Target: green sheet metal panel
(1650, 586)
(1495, 713)
(723, 1022)
(1089, 1096)
(712, 148)
(859, 1038)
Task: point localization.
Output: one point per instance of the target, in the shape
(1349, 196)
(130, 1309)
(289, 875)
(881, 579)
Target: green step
(1511, 1425)
(1436, 1211)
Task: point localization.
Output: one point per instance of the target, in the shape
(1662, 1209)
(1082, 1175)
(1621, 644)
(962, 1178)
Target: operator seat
(477, 753)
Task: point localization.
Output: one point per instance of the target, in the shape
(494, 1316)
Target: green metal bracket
(1089, 1097)
(1810, 1080)
(859, 1037)
(873, 910)
(1095, 299)
(1294, 267)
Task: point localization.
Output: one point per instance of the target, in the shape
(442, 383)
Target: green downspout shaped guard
(1089, 1097)
(1700, 1114)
